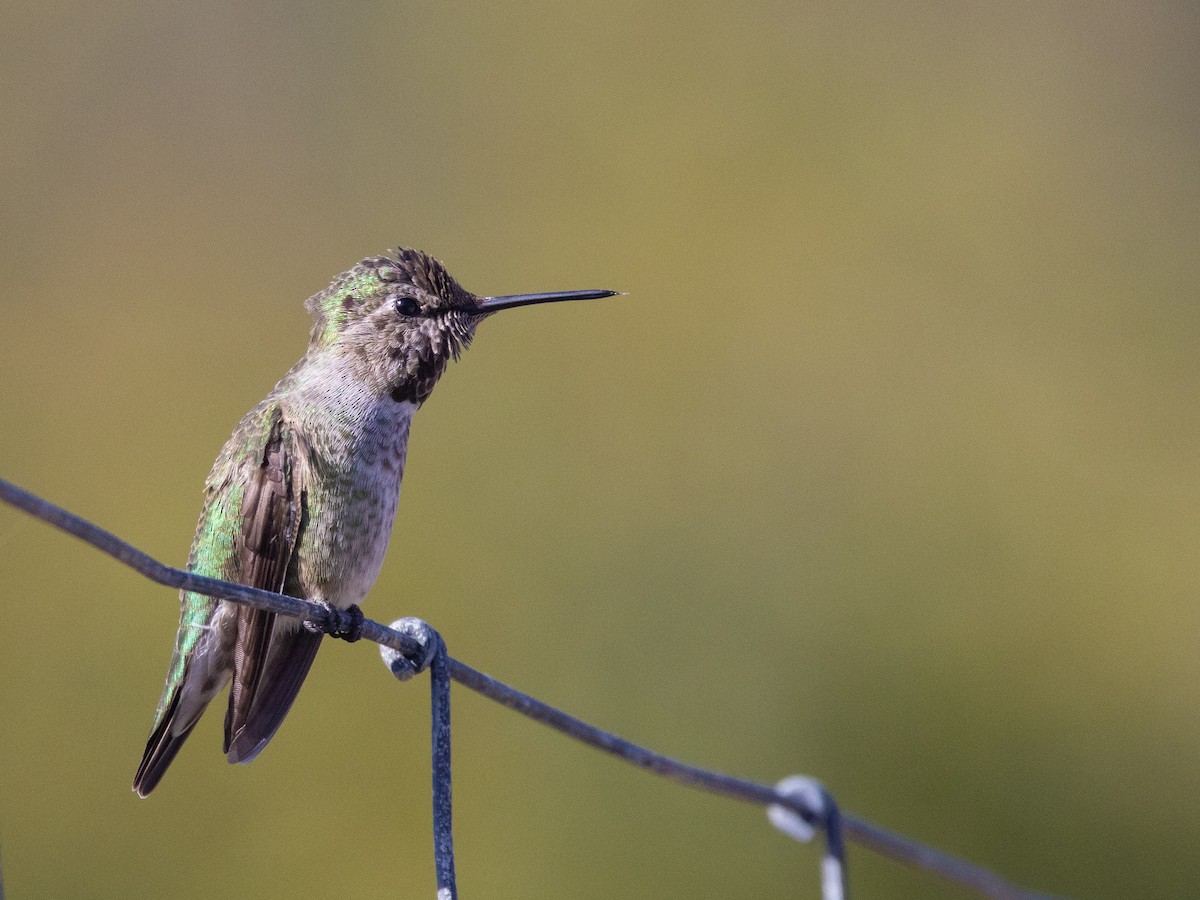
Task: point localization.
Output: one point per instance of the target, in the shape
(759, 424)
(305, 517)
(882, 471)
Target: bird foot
(346, 624)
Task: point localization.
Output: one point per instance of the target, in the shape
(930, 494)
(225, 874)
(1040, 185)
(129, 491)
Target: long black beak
(508, 301)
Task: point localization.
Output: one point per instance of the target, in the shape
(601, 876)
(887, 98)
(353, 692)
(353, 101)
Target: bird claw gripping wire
(819, 810)
(346, 624)
(402, 666)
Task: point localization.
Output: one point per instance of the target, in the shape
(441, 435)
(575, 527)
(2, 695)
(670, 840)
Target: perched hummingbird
(303, 496)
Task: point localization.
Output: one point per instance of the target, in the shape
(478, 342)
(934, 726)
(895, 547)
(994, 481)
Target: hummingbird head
(402, 318)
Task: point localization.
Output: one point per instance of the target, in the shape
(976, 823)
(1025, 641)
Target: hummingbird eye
(408, 306)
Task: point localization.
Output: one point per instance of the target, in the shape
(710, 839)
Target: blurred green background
(886, 471)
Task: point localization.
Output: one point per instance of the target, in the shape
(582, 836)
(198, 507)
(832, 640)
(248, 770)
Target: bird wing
(270, 520)
(201, 663)
(271, 656)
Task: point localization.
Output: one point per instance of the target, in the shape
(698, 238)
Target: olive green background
(885, 471)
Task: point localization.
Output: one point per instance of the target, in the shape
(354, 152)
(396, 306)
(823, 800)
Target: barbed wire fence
(798, 806)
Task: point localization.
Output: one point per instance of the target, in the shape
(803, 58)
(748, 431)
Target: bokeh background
(885, 471)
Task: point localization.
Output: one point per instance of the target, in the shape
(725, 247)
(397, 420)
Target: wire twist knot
(405, 667)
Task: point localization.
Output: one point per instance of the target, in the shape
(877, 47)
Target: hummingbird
(303, 496)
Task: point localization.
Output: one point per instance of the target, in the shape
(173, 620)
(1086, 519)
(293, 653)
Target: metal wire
(420, 649)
